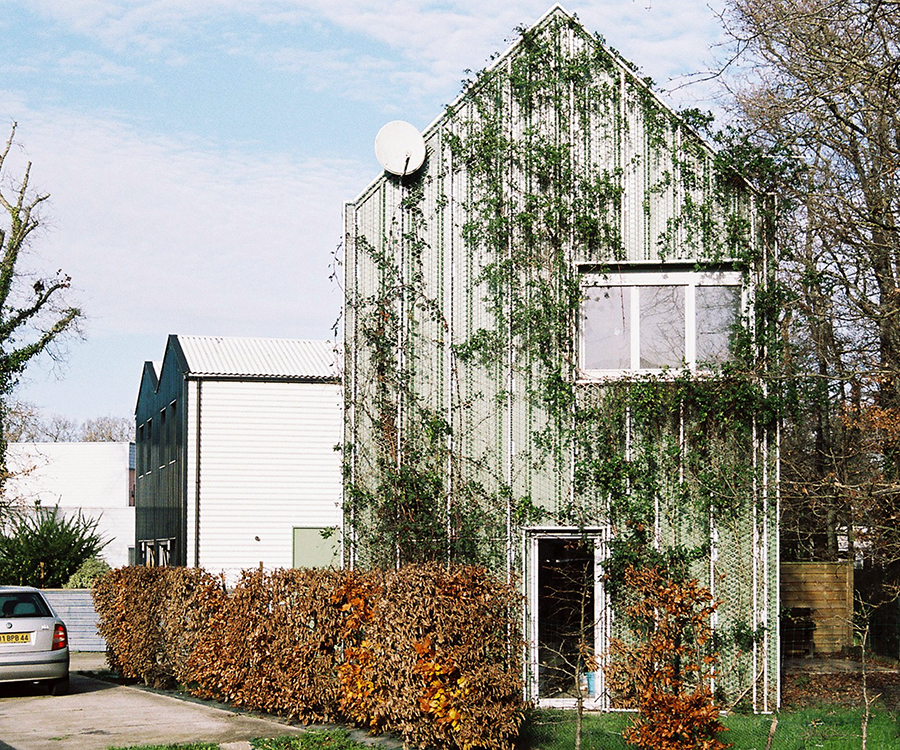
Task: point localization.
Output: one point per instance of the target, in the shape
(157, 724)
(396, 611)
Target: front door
(567, 625)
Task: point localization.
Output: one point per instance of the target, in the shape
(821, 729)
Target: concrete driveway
(97, 715)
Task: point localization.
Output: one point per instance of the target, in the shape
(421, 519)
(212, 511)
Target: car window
(24, 604)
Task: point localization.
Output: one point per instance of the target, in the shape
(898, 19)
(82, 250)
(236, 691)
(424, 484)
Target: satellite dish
(400, 148)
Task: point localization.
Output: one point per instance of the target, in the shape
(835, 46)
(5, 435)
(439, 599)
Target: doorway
(567, 617)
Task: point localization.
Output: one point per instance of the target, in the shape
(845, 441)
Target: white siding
(76, 608)
(267, 464)
(87, 477)
(190, 459)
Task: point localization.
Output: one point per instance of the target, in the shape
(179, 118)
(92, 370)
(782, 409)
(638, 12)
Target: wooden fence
(823, 593)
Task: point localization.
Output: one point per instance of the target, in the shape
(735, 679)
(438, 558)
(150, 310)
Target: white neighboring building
(236, 463)
(94, 478)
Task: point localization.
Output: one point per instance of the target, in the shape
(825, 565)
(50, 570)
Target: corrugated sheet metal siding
(666, 175)
(76, 608)
(254, 357)
(651, 217)
(268, 464)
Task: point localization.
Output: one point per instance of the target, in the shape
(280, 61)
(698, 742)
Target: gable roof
(292, 359)
(559, 15)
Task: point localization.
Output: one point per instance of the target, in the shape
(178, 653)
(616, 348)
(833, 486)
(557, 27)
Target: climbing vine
(471, 414)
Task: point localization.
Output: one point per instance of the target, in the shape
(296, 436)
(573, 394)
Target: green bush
(45, 547)
(88, 572)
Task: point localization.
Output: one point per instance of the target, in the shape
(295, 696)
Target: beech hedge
(429, 653)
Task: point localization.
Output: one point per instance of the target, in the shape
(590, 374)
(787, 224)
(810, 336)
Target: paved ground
(97, 715)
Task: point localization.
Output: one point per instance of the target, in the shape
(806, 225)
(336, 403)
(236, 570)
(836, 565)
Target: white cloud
(322, 69)
(437, 42)
(432, 43)
(161, 235)
(96, 69)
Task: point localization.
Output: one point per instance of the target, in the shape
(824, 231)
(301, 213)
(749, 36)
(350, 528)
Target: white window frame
(690, 280)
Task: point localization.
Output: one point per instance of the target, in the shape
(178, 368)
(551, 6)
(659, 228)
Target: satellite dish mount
(400, 148)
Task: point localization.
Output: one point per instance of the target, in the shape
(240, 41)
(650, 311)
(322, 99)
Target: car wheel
(60, 687)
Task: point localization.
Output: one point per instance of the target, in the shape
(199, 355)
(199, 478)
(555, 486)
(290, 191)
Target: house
(95, 479)
(557, 361)
(236, 461)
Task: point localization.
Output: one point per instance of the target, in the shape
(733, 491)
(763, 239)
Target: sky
(197, 153)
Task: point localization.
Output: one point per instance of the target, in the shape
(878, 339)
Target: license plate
(15, 637)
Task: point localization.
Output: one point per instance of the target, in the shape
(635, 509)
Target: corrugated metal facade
(663, 174)
(260, 358)
(233, 455)
(267, 463)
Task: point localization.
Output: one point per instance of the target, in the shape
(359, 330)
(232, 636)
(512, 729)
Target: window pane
(718, 308)
(566, 584)
(662, 326)
(606, 328)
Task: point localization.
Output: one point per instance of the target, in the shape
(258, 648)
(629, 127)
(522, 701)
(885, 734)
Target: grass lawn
(333, 739)
(824, 728)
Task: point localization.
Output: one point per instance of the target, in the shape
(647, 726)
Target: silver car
(34, 645)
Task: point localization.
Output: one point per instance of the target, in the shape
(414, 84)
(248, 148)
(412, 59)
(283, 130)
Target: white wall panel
(191, 488)
(88, 477)
(267, 464)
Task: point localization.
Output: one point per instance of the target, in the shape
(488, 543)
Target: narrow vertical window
(173, 434)
(606, 321)
(661, 326)
(163, 439)
(141, 442)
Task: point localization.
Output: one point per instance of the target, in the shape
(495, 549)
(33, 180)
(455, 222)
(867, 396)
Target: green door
(313, 550)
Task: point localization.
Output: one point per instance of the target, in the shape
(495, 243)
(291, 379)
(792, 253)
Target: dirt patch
(810, 689)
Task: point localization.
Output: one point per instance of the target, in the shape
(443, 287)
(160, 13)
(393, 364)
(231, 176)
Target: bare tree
(107, 430)
(25, 423)
(820, 80)
(58, 428)
(33, 313)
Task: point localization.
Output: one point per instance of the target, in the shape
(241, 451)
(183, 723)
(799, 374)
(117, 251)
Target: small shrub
(666, 672)
(45, 547)
(88, 572)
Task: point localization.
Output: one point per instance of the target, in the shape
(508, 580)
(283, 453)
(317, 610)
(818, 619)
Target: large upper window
(640, 320)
